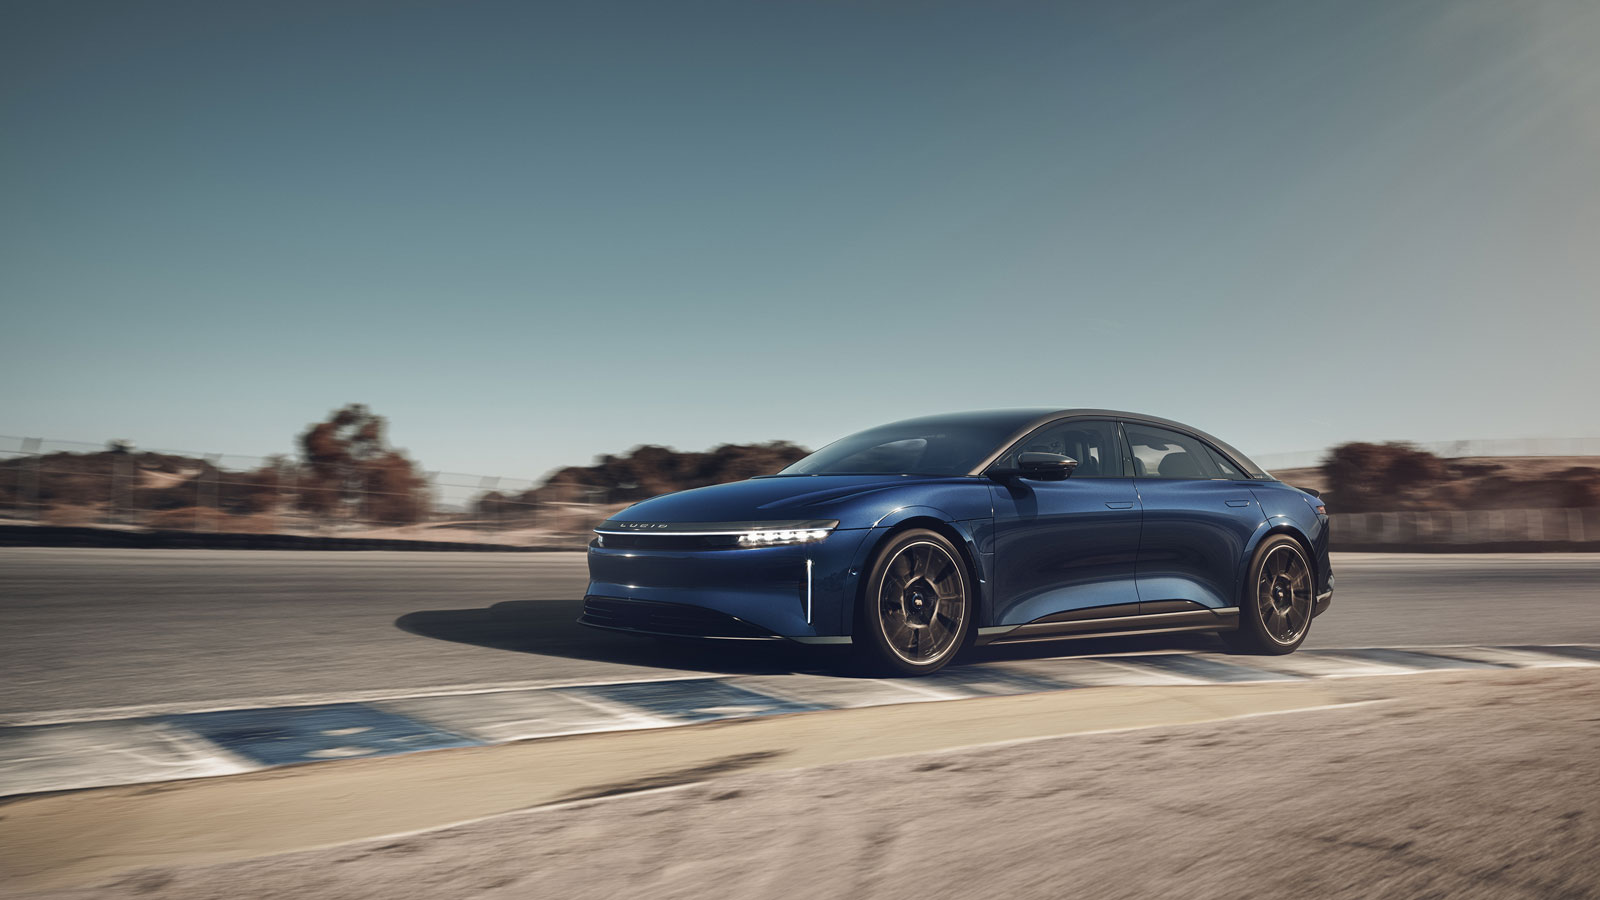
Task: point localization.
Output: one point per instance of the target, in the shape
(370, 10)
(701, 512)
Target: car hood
(857, 501)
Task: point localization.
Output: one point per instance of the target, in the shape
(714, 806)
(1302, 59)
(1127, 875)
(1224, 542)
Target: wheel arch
(932, 520)
(1274, 528)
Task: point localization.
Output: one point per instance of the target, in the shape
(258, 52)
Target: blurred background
(347, 487)
(532, 235)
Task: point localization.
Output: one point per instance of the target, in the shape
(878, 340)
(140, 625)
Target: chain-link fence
(1445, 528)
(1583, 446)
(68, 483)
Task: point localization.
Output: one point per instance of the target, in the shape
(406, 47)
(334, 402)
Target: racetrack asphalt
(96, 629)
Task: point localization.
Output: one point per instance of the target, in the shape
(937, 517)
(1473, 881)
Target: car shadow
(550, 628)
(1190, 642)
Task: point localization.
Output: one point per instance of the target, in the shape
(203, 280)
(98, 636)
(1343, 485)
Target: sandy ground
(1462, 785)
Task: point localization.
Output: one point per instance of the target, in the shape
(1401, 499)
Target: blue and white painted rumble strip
(85, 754)
(296, 734)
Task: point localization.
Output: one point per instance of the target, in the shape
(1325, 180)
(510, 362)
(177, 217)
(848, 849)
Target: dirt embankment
(1489, 482)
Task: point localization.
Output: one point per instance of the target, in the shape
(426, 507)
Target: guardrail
(1457, 530)
(59, 536)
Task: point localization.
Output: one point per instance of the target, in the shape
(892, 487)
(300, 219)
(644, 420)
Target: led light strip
(808, 590)
(796, 536)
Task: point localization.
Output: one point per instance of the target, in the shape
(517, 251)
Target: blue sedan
(913, 540)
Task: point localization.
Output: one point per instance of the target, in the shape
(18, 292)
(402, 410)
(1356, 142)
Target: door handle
(1119, 504)
(1239, 503)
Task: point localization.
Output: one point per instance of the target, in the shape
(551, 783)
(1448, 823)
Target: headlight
(766, 537)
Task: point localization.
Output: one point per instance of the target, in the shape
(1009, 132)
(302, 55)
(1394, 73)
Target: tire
(916, 607)
(1275, 611)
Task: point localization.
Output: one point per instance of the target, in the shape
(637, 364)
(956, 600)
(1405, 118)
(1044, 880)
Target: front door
(1067, 545)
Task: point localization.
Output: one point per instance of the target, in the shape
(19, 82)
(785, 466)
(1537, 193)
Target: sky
(532, 233)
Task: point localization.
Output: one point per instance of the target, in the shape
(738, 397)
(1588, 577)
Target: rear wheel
(916, 610)
(1275, 611)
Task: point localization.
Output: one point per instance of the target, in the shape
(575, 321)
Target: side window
(1092, 442)
(1159, 453)
(1228, 469)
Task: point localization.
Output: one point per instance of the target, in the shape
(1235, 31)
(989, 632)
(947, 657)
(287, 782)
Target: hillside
(1484, 482)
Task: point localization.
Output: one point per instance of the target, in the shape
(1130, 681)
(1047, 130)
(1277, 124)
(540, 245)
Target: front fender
(1287, 512)
(967, 534)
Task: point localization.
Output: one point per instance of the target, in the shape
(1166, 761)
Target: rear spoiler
(1312, 491)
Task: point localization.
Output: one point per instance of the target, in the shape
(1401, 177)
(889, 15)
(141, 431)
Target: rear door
(1199, 515)
(1067, 545)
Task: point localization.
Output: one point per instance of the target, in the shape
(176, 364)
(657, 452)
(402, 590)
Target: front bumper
(803, 592)
(668, 620)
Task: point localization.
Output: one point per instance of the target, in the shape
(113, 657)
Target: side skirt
(1197, 620)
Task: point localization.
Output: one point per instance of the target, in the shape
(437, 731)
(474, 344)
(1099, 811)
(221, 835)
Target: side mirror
(1045, 466)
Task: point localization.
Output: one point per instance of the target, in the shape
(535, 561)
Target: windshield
(937, 445)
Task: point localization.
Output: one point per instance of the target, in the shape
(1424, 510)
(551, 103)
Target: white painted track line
(1314, 664)
(1505, 656)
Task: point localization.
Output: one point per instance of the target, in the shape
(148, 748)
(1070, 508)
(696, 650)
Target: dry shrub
(1389, 477)
(1363, 477)
(261, 523)
(191, 518)
(350, 470)
(648, 470)
(72, 515)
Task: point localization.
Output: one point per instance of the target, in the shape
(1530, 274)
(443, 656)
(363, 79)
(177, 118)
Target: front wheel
(916, 609)
(1275, 611)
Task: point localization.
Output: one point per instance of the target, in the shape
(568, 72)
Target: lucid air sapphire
(913, 540)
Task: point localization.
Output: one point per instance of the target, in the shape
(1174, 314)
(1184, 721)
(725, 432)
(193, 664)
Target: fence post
(293, 471)
(212, 474)
(277, 499)
(33, 447)
(486, 485)
(111, 491)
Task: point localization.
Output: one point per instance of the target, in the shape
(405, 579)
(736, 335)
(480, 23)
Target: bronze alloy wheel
(922, 603)
(1278, 599)
(1284, 595)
